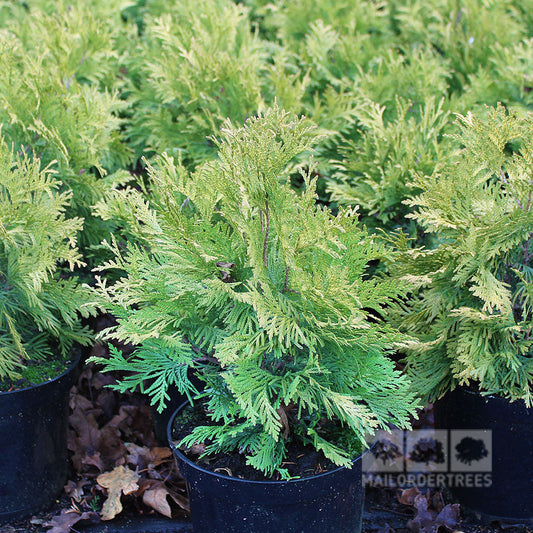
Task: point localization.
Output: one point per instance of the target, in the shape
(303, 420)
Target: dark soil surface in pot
(35, 373)
(301, 461)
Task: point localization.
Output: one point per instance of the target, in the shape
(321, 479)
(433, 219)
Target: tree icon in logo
(470, 450)
(427, 450)
(386, 451)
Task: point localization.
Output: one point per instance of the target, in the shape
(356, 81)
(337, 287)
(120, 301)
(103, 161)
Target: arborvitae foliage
(376, 169)
(74, 77)
(326, 46)
(197, 64)
(400, 116)
(54, 102)
(380, 95)
(506, 78)
(292, 21)
(439, 55)
(323, 38)
(264, 294)
(39, 302)
(463, 32)
(472, 309)
(81, 41)
(418, 76)
(52, 116)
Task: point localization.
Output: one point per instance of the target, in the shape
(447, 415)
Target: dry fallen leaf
(196, 449)
(160, 455)
(449, 516)
(156, 498)
(94, 459)
(407, 496)
(74, 489)
(93, 446)
(432, 516)
(155, 494)
(423, 521)
(108, 430)
(144, 458)
(119, 480)
(180, 500)
(63, 522)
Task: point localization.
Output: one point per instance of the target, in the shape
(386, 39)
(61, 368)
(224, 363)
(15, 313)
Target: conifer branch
(475, 289)
(267, 232)
(286, 282)
(41, 300)
(504, 179)
(266, 356)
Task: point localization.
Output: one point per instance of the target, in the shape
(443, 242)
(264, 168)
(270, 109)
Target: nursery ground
(383, 514)
(110, 433)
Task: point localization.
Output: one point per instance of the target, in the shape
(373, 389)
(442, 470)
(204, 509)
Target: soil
(301, 461)
(35, 373)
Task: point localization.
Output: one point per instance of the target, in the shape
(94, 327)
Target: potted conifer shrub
(267, 298)
(39, 327)
(472, 306)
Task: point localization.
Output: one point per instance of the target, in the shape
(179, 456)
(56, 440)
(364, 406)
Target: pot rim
(76, 358)
(483, 394)
(194, 465)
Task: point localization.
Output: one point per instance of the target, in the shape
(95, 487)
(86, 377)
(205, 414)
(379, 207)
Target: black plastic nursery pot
(489, 427)
(331, 502)
(33, 445)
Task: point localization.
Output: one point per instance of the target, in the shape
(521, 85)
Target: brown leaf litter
(116, 460)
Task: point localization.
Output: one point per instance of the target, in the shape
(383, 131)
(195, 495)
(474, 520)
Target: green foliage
(293, 20)
(98, 84)
(384, 104)
(79, 41)
(376, 169)
(86, 89)
(471, 308)
(52, 116)
(416, 64)
(463, 32)
(197, 64)
(419, 76)
(265, 294)
(505, 79)
(39, 302)
(59, 100)
(324, 37)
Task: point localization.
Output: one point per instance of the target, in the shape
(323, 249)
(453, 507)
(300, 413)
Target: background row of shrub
(96, 85)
